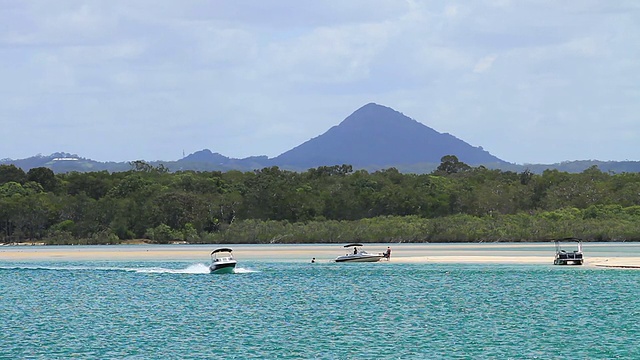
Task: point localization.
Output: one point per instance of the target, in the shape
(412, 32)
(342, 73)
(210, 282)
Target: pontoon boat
(564, 257)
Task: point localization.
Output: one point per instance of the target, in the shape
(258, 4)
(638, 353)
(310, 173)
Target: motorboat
(358, 255)
(222, 261)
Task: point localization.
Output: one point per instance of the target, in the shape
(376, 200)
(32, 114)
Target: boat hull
(223, 268)
(359, 258)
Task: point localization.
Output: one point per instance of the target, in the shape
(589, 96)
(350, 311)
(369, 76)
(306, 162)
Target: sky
(531, 82)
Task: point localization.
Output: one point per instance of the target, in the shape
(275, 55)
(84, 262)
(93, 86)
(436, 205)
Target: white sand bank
(596, 254)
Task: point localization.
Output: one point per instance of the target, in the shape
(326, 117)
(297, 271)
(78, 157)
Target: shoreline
(603, 255)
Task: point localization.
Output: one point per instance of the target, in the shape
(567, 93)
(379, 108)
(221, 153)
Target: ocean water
(298, 310)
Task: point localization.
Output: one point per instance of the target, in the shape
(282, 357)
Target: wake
(191, 269)
(244, 271)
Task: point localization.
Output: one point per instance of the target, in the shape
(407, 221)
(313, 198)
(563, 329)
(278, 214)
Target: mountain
(205, 156)
(378, 135)
(374, 137)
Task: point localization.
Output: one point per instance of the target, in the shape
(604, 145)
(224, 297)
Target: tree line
(454, 203)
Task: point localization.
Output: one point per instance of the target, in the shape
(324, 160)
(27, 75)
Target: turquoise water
(295, 310)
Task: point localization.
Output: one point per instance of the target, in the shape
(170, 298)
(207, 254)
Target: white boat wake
(191, 269)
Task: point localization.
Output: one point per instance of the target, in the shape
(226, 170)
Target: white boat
(563, 257)
(222, 261)
(358, 255)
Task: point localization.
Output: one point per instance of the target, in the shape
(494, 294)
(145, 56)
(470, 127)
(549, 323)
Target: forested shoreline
(328, 204)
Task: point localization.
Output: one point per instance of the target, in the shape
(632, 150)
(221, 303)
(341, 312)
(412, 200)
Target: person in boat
(355, 250)
(313, 260)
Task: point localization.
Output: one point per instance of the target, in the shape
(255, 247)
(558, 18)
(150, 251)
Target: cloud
(251, 77)
(336, 55)
(484, 64)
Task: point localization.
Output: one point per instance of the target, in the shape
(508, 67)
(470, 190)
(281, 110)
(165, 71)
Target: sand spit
(609, 255)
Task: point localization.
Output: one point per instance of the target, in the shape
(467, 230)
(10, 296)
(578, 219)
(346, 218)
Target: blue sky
(115, 80)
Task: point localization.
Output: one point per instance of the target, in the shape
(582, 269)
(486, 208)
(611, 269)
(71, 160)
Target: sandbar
(622, 255)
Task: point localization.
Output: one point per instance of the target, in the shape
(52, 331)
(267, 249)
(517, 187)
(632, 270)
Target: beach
(625, 255)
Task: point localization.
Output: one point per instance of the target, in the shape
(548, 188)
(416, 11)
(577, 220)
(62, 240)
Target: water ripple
(321, 311)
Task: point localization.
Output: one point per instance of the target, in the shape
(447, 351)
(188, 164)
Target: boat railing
(569, 255)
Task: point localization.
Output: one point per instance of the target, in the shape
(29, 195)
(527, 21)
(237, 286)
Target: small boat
(358, 255)
(563, 257)
(222, 263)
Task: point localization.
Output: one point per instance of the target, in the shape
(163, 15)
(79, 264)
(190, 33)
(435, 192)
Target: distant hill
(206, 160)
(205, 156)
(62, 162)
(376, 135)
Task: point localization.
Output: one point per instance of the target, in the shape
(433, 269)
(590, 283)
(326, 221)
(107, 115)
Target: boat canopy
(221, 250)
(568, 239)
(352, 245)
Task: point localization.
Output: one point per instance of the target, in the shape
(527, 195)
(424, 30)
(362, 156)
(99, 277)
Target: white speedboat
(222, 261)
(358, 255)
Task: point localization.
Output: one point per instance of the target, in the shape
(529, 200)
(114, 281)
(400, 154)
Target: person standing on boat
(388, 253)
(355, 250)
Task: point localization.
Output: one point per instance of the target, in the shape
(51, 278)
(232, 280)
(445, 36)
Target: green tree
(141, 166)
(12, 173)
(449, 164)
(95, 184)
(43, 176)
(13, 188)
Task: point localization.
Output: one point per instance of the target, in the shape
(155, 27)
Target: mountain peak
(376, 134)
(372, 105)
(371, 111)
(205, 156)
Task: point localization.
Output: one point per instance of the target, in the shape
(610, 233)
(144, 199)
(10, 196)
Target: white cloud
(328, 54)
(451, 11)
(484, 64)
(240, 77)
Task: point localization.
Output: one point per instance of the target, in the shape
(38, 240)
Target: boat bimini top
(221, 250)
